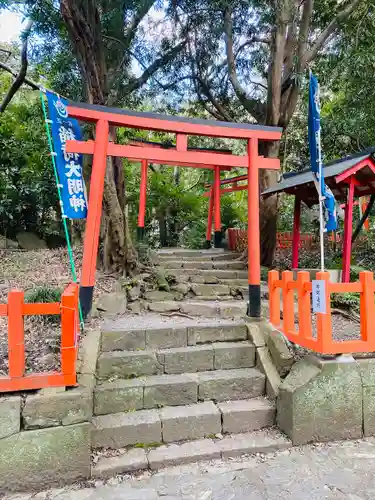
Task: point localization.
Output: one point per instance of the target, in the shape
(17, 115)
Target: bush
(45, 294)
(347, 300)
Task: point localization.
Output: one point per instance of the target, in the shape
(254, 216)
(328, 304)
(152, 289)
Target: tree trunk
(163, 229)
(268, 209)
(84, 28)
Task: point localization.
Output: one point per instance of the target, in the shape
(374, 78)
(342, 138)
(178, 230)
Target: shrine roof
(360, 165)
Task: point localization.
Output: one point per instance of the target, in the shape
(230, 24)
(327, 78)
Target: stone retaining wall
(45, 436)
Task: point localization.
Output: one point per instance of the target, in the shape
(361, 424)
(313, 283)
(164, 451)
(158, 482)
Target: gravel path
(337, 471)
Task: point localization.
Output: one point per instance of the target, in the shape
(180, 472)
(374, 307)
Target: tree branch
(135, 22)
(255, 107)
(136, 83)
(304, 29)
(14, 73)
(23, 70)
(207, 92)
(327, 32)
(253, 39)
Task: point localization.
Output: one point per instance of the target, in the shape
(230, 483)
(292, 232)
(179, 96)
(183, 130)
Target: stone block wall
(45, 436)
(328, 399)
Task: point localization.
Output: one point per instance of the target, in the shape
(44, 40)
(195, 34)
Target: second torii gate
(105, 117)
(214, 195)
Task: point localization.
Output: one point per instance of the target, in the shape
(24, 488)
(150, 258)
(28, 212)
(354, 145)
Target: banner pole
(321, 201)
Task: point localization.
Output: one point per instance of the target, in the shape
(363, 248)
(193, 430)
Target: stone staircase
(177, 392)
(209, 283)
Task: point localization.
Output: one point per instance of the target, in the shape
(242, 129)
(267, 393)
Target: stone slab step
(163, 338)
(210, 298)
(246, 415)
(262, 441)
(213, 356)
(180, 423)
(197, 264)
(181, 252)
(208, 276)
(158, 391)
(227, 385)
(165, 258)
(205, 308)
(216, 290)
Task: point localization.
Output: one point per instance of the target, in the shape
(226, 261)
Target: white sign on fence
(319, 296)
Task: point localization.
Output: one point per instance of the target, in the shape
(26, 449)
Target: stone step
(205, 308)
(180, 423)
(186, 252)
(197, 264)
(127, 460)
(220, 298)
(208, 276)
(165, 338)
(202, 257)
(213, 356)
(207, 290)
(177, 390)
(227, 385)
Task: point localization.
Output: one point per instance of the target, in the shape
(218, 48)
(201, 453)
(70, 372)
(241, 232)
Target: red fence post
(324, 320)
(288, 302)
(69, 310)
(304, 305)
(274, 298)
(367, 308)
(16, 338)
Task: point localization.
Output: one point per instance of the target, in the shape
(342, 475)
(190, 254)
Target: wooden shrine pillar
(296, 232)
(142, 201)
(209, 218)
(217, 219)
(348, 230)
(253, 235)
(94, 213)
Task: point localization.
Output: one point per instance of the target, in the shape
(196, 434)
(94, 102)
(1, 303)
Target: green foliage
(347, 300)
(28, 196)
(43, 294)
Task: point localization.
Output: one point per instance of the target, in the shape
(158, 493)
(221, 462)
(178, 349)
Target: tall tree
(247, 60)
(110, 40)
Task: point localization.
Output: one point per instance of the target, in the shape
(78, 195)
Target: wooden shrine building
(348, 178)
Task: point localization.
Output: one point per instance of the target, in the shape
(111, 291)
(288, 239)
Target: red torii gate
(104, 117)
(143, 186)
(214, 203)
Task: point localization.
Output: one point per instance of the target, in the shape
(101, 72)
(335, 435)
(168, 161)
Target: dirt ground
(27, 271)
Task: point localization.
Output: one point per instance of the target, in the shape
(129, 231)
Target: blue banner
(314, 130)
(316, 153)
(69, 165)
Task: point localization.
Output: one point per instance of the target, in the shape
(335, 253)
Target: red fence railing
(237, 240)
(15, 310)
(301, 333)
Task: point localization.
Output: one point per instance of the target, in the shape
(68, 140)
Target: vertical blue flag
(316, 153)
(314, 131)
(69, 165)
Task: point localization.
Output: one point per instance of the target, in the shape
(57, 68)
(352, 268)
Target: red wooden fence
(237, 240)
(15, 310)
(302, 334)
